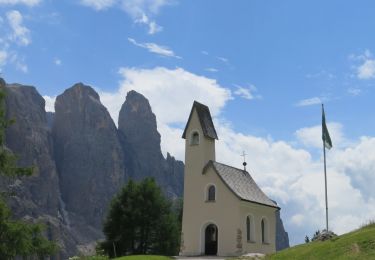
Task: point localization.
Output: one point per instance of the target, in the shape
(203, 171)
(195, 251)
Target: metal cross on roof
(244, 160)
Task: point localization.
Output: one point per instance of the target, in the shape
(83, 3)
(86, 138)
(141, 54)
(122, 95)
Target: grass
(359, 244)
(144, 257)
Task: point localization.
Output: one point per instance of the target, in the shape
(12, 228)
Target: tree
(17, 238)
(141, 221)
(307, 239)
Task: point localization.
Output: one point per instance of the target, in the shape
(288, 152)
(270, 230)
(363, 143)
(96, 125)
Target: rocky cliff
(141, 142)
(37, 198)
(88, 154)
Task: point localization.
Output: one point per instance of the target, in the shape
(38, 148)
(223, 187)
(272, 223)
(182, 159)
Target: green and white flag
(325, 135)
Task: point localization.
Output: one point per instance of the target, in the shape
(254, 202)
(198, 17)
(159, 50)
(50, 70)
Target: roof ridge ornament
(244, 160)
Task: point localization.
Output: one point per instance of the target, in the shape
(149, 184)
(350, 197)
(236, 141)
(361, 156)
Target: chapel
(225, 213)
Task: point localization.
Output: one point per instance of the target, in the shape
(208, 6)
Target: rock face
(141, 143)
(88, 154)
(37, 198)
(282, 238)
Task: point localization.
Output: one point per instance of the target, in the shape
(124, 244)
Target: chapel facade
(225, 213)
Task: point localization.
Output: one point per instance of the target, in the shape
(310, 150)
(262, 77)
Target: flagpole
(325, 179)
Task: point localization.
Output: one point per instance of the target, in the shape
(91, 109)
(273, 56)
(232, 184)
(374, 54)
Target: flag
(325, 135)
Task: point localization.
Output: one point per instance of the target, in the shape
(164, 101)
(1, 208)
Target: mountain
(81, 160)
(141, 142)
(88, 154)
(37, 198)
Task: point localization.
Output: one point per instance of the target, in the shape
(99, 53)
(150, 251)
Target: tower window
(211, 193)
(194, 138)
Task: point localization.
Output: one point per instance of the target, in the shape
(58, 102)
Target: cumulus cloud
(309, 102)
(312, 136)
(98, 4)
(24, 2)
(20, 34)
(155, 48)
(50, 103)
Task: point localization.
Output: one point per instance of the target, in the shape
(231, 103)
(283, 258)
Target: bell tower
(200, 136)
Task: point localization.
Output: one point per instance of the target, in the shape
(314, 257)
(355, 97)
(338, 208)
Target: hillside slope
(359, 244)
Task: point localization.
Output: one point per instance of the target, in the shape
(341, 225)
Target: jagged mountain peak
(81, 91)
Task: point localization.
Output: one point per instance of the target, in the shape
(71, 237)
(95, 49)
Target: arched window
(211, 193)
(194, 138)
(250, 229)
(264, 227)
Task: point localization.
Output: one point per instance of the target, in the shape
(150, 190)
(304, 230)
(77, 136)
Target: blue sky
(263, 67)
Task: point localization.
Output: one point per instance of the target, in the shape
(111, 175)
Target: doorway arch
(210, 240)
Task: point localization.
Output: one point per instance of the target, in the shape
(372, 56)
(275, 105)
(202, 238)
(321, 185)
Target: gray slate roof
(205, 120)
(241, 184)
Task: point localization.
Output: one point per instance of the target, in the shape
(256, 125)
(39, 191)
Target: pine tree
(141, 221)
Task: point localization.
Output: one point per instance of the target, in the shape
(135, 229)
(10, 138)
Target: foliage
(17, 238)
(141, 221)
(359, 244)
(307, 239)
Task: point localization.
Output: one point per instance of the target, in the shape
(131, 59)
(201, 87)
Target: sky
(263, 68)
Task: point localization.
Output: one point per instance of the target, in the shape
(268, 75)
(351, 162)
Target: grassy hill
(359, 244)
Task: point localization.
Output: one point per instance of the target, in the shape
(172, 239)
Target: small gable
(205, 120)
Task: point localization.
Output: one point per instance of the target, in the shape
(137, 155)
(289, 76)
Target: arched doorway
(210, 245)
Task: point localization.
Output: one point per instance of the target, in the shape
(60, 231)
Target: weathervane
(244, 160)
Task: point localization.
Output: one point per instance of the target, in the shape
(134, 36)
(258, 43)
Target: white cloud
(155, 48)
(366, 70)
(354, 91)
(309, 102)
(98, 4)
(20, 34)
(142, 10)
(298, 219)
(312, 136)
(50, 103)
(18, 62)
(211, 70)
(3, 58)
(57, 61)
(24, 2)
(225, 60)
(178, 86)
(246, 92)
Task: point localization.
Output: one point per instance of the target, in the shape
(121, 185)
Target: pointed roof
(205, 120)
(240, 183)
